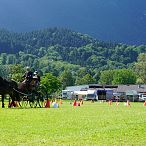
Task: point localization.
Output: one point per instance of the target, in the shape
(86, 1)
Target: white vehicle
(91, 95)
(67, 94)
(142, 97)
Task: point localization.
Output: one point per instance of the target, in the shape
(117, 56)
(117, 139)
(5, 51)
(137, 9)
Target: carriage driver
(28, 75)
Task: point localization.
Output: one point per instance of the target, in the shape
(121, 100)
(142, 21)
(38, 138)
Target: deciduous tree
(140, 67)
(51, 83)
(66, 79)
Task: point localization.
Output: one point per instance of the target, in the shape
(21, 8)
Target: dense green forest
(56, 50)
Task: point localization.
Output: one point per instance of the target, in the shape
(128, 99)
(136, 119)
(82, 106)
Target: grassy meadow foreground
(91, 124)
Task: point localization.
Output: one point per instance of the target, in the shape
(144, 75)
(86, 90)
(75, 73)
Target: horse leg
(19, 104)
(13, 103)
(3, 104)
(9, 103)
(39, 100)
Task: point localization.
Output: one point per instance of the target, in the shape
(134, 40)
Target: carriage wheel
(37, 100)
(41, 99)
(24, 101)
(41, 103)
(33, 104)
(32, 101)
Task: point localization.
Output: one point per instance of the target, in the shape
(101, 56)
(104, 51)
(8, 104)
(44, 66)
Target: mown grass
(91, 124)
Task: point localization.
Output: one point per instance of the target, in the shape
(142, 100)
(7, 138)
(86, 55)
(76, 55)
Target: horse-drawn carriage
(22, 94)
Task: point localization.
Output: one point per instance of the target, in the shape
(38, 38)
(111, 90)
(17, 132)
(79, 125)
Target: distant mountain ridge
(108, 20)
(12, 42)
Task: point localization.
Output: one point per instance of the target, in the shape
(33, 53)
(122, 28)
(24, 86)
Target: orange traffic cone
(117, 103)
(144, 103)
(128, 103)
(60, 101)
(110, 102)
(75, 103)
(47, 105)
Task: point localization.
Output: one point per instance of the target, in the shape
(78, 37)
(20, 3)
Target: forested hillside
(13, 42)
(56, 49)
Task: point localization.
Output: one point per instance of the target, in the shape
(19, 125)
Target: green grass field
(91, 124)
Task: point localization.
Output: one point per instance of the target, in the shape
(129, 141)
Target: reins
(22, 92)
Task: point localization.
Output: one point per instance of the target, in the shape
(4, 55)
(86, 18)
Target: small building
(80, 94)
(132, 95)
(91, 92)
(106, 92)
(72, 92)
(130, 92)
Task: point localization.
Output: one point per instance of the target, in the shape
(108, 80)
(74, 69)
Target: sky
(111, 20)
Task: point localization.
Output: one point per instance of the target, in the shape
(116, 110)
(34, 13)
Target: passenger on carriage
(28, 75)
(36, 78)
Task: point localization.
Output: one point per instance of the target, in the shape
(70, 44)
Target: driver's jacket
(28, 75)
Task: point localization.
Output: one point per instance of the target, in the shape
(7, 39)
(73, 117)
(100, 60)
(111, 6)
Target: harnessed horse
(20, 91)
(7, 87)
(30, 92)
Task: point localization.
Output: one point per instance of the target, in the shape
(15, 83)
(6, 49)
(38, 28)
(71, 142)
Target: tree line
(72, 57)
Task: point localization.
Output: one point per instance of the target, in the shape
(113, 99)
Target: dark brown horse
(18, 91)
(7, 87)
(29, 92)
(26, 87)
